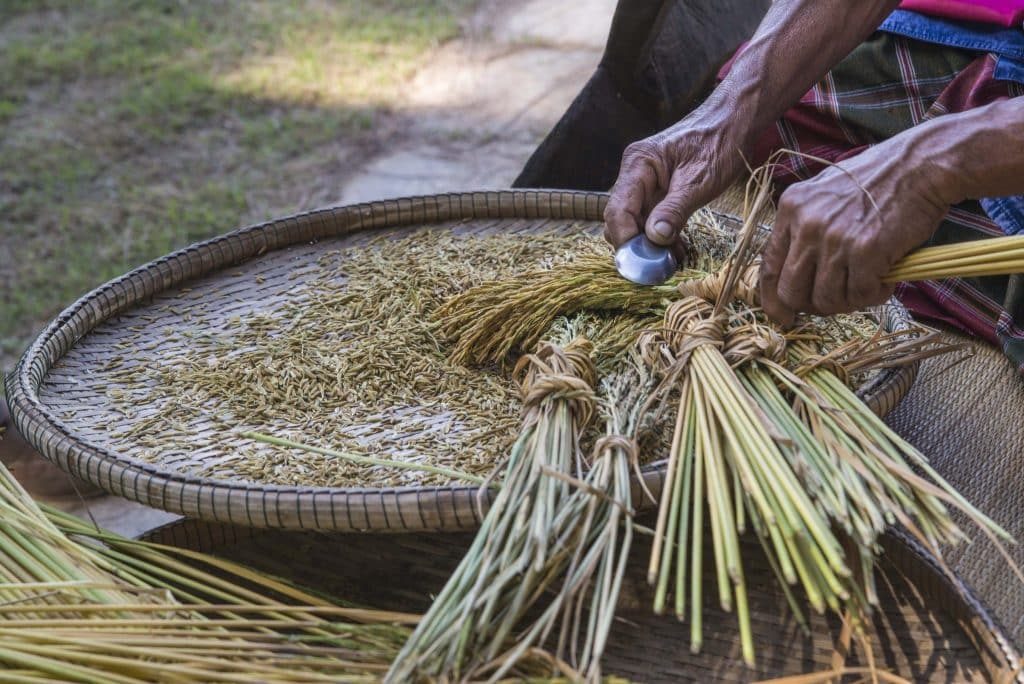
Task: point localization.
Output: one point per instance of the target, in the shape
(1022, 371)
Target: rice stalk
(988, 257)
(727, 463)
(80, 604)
(486, 323)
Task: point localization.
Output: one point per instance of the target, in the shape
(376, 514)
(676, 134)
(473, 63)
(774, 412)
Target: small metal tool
(641, 261)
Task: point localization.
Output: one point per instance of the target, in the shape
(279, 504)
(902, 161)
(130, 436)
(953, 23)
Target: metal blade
(641, 261)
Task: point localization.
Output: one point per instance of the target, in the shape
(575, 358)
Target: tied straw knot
(691, 321)
(609, 442)
(752, 340)
(556, 373)
(712, 286)
(695, 320)
(829, 363)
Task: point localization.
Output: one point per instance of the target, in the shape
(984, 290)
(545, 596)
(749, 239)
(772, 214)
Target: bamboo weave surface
(59, 391)
(966, 417)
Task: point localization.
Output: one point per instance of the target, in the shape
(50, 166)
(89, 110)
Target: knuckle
(868, 292)
(837, 240)
(670, 209)
(612, 210)
(642, 150)
(862, 247)
(640, 158)
(786, 294)
(771, 261)
(861, 288)
(617, 210)
(787, 203)
(792, 198)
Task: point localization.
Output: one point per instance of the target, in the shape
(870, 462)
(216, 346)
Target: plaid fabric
(885, 86)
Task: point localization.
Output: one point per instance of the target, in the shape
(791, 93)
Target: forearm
(794, 47)
(973, 154)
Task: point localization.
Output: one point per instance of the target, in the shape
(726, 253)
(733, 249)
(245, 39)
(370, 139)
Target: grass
(131, 128)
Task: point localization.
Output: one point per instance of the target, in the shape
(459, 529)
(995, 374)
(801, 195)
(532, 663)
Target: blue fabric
(1006, 43)
(1008, 212)
(1008, 46)
(1010, 69)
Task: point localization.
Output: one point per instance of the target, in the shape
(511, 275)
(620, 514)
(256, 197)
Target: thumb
(668, 218)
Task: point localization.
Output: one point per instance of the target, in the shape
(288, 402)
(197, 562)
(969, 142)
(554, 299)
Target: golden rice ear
(490, 321)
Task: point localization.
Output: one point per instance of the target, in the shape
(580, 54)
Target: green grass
(129, 128)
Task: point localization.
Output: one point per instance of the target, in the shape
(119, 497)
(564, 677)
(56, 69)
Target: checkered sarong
(885, 86)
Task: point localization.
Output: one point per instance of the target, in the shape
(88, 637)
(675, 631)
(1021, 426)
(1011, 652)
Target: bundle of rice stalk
(595, 528)
(488, 322)
(768, 433)
(883, 468)
(597, 523)
(726, 459)
(78, 604)
(515, 554)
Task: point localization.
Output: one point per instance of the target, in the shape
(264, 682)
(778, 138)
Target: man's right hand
(665, 178)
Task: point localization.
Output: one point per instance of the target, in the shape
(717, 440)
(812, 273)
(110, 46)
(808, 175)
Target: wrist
(932, 154)
(722, 128)
(743, 108)
(974, 154)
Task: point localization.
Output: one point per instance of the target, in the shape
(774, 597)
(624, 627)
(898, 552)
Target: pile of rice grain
(348, 362)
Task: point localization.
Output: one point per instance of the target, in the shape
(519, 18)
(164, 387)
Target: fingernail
(663, 230)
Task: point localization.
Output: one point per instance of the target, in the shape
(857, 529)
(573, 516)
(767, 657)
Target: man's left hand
(838, 234)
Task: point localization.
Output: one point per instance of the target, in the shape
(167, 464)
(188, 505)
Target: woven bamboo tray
(929, 629)
(58, 393)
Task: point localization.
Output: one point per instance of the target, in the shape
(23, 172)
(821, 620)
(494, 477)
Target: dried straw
(79, 604)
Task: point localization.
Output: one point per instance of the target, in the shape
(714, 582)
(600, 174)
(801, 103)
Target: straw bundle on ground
(516, 553)
(81, 605)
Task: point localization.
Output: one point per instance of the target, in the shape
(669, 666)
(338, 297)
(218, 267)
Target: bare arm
(666, 177)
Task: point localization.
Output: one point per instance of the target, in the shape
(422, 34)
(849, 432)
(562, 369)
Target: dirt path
(475, 112)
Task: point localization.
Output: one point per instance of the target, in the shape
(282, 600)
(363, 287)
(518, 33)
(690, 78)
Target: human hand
(666, 177)
(837, 235)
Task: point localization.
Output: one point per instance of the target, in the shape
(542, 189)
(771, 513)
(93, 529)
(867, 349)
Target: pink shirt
(999, 12)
